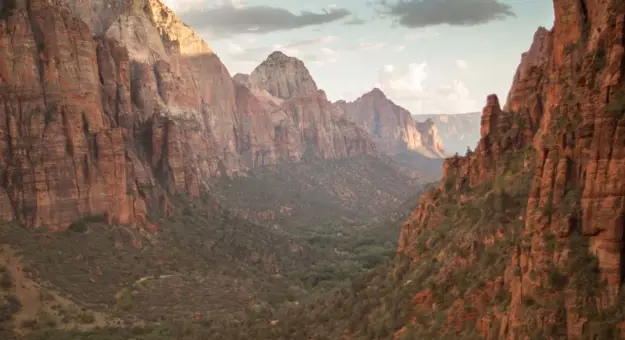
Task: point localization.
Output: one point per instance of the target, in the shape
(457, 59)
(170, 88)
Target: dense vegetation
(315, 194)
(201, 259)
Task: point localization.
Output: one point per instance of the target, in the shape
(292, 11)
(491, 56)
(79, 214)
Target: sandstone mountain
(393, 128)
(457, 131)
(108, 107)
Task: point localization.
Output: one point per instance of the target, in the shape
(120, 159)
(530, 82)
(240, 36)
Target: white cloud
(421, 34)
(327, 56)
(366, 46)
(411, 87)
(462, 64)
(235, 49)
(400, 48)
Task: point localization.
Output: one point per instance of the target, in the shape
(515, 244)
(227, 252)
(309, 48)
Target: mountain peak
(283, 76)
(279, 56)
(376, 92)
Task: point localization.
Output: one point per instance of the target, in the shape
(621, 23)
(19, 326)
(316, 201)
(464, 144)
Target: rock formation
(392, 127)
(107, 107)
(566, 107)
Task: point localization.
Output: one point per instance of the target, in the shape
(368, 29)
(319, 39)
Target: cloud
(355, 21)
(366, 46)
(234, 17)
(420, 34)
(294, 48)
(424, 13)
(411, 87)
(400, 48)
(326, 56)
(308, 42)
(310, 51)
(462, 64)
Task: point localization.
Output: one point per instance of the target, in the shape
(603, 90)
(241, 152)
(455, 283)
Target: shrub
(6, 280)
(124, 301)
(81, 225)
(8, 307)
(86, 317)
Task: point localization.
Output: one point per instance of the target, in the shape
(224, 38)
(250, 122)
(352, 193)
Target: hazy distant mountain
(457, 131)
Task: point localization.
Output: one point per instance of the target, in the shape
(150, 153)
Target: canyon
(521, 238)
(111, 107)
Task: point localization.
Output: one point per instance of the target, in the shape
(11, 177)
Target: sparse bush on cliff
(49, 112)
(616, 106)
(583, 267)
(81, 225)
(9, 305)
(6, 9)
(6, 279)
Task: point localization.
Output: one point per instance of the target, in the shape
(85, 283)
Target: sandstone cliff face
(107, 106)
(567, 108)
(392, 127)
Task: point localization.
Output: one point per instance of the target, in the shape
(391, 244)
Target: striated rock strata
(106, 107)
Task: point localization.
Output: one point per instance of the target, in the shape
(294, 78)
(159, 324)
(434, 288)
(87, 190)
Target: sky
(429, 56)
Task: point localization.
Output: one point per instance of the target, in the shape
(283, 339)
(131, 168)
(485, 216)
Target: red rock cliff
(567, 102)
(392, 127)
(109, 123)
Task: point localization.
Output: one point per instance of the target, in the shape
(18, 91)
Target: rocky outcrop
(566, 108)
(107, 107)
(392, 127)
(457, 131)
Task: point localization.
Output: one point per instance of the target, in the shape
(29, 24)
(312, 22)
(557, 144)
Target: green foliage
(547, 209)
(550, 240)
(81, 225)
(616, 107)
(585, 274)
(6, 9)
(562, 123)
(49, 113)
(6, 280)
(124, 301)
(295, 194)
(528, 301)
(570, 204)
(450, 183)
(86, 318)
(557, 280)
(570, 48)
(9, 306)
